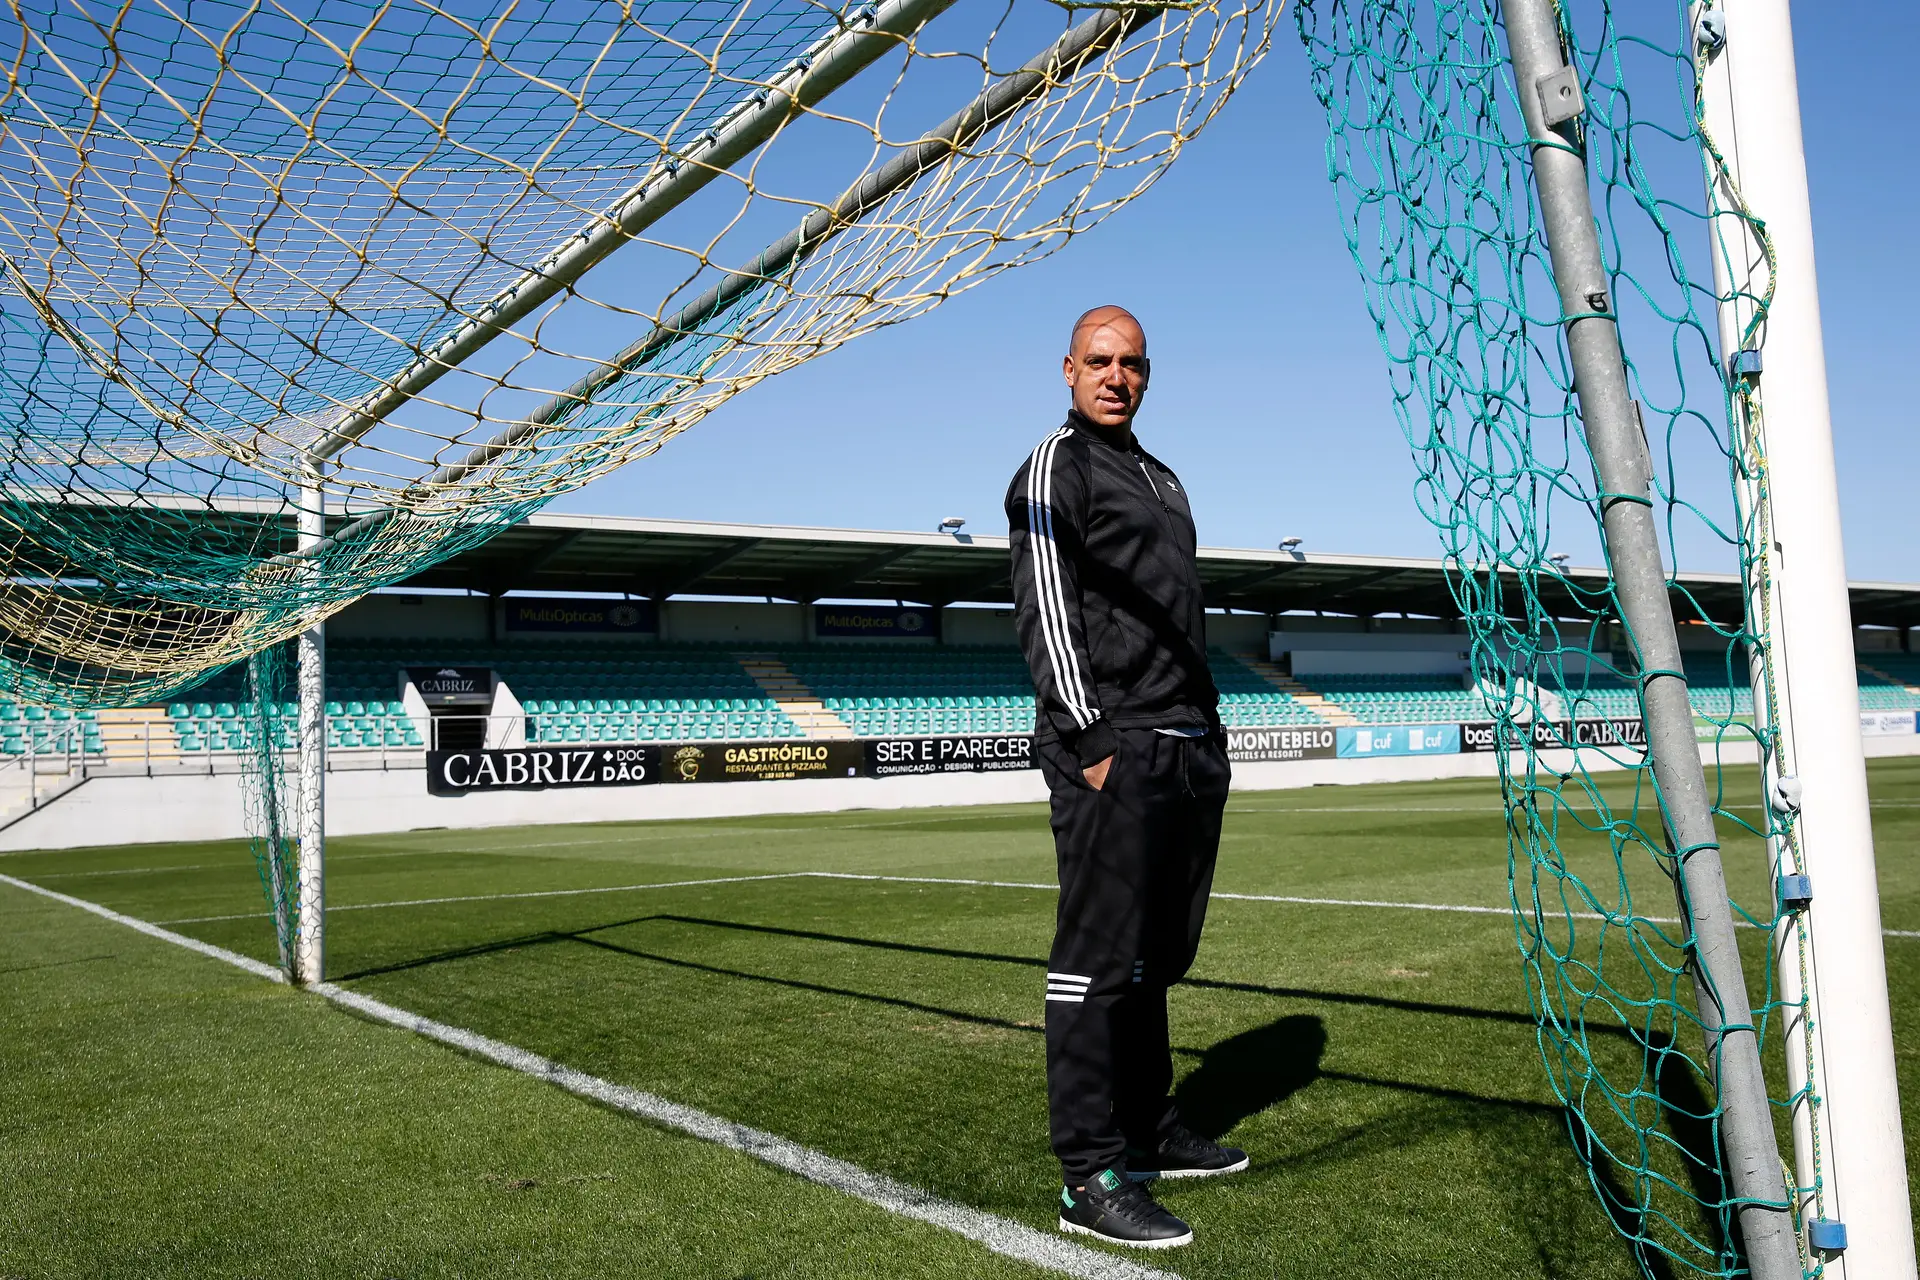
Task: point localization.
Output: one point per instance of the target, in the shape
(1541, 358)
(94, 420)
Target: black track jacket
(1106, 593)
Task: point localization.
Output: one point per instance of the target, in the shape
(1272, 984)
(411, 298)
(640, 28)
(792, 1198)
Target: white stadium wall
(190, 807)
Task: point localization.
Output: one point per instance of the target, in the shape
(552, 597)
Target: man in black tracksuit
(1108, 604)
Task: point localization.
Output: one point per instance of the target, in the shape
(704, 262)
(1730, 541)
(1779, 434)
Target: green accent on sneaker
(1108, 1179)
(1066, 1196)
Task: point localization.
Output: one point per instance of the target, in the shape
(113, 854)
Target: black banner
(456, 773)
(1560, 733)
(875, 621)
(453, 686)
(761, 761)
(978, 753)
(1281, 742)
(588, 616)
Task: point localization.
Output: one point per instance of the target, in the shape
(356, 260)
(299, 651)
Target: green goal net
(420, 267)
(1430, 162)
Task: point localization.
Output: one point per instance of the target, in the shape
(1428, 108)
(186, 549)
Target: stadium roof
(659, 558)
(551, 552)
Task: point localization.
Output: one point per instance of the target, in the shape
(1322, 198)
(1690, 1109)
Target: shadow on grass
(1245, 1074)
(1253, 1070)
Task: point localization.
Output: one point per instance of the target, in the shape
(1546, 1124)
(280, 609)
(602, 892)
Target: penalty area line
(1000, 1235)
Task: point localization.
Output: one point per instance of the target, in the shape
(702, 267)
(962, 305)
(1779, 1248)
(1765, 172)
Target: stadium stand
(952, 689)
(1890, 682)
(1250, 700)
(1414, 698)
(26, 729)
(619, 692)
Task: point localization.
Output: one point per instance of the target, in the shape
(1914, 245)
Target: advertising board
(874, 622)
(1883, 724)
(563, 613)
(1281, 742)
(980, 753)
(1367, 741)
(453, 686)
(1619, 732)
(760, 761)
(456, 773)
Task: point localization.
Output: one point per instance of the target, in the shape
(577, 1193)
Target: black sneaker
(1114, 1209)
(1185, 1154)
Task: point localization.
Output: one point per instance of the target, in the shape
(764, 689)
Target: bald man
(1109, 609)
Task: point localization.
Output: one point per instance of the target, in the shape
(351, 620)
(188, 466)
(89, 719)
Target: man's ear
(1146, 370)
(1066, 368)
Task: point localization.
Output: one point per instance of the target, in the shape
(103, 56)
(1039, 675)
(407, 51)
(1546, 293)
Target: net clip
(1747, 364)
(1796, 892)
(1710, 33)
(1826, 1235)
(1560, 96)
(1786, 794)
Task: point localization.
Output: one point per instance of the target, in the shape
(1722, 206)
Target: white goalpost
(1848, 1151)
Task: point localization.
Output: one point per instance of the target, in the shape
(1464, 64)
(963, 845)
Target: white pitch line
(500, 897)
(154, 931)
(1009, 1239)
(984, 884)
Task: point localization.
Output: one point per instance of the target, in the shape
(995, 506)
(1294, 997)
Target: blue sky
(1269, 395)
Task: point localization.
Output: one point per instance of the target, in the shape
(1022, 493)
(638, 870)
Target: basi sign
(1281, 742)
(453, 686)
(1625, 732)
(980, 753)
(559, 613)
(875, 622)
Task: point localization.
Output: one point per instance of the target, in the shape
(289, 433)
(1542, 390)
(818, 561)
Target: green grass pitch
(168, 1115)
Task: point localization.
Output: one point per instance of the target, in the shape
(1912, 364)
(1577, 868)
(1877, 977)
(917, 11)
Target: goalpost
(1830, 953)
(1465, 139)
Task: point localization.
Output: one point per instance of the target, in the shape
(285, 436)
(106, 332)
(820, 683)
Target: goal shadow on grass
(1235, 1078)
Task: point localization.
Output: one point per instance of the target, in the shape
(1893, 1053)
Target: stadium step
(138, 735)
(1330, 712)
(1890, 679)
(794, 698)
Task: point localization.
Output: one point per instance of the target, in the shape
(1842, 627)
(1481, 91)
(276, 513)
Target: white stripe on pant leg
(1009, 1239)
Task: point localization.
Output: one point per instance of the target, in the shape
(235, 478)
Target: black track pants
(1136, 865)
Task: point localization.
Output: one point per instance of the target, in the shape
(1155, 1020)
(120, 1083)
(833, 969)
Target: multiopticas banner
(567, 613)
(1361, 741)
(982, 753)
(871, 621)
(1559, 733)
(1289, 742)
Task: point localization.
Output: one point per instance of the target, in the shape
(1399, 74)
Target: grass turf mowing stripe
(1002, 1236)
